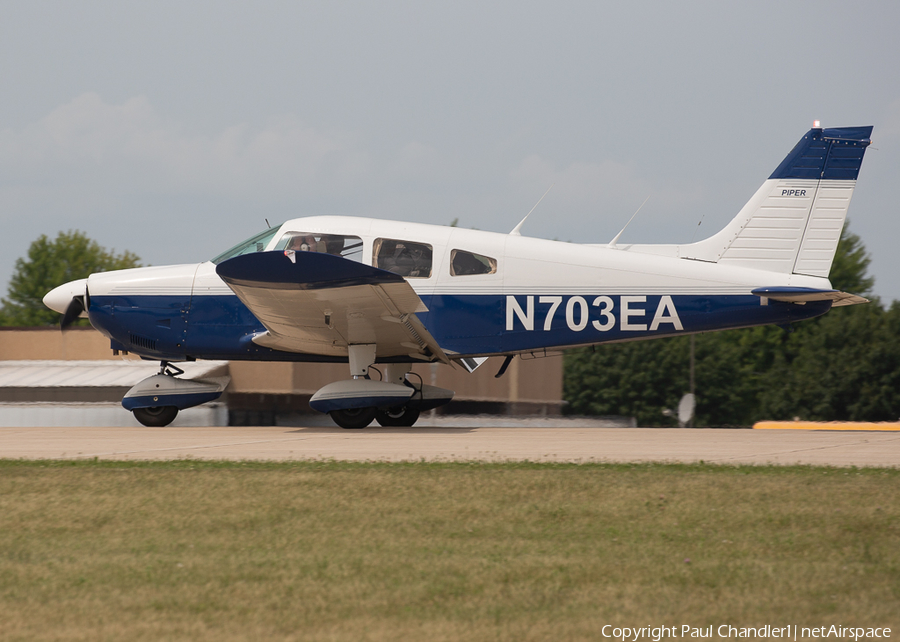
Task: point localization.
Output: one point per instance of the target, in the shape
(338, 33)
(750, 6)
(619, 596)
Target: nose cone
(58, 298)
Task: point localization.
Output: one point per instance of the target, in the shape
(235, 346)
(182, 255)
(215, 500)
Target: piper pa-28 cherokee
(369, 292)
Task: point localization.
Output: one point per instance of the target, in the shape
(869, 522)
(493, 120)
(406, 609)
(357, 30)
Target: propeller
(77, 306)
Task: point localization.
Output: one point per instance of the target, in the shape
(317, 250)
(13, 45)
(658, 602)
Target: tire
(402, 416)
(353, 418)
(157, 416)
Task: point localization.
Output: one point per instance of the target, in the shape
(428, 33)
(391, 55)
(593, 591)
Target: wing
(318, 303)
(803, 295)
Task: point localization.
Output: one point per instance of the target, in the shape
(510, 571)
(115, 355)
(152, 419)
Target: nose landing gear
(156, 400)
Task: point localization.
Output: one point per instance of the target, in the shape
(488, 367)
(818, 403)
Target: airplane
(384, 295)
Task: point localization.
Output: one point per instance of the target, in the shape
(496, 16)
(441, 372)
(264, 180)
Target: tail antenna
(612, 244)
(699, 223)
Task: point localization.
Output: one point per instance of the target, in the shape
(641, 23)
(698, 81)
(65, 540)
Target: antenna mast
(515, 230)
(612, 244)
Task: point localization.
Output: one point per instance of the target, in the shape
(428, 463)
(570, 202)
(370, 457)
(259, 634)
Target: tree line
(844, 365)
(49, 263)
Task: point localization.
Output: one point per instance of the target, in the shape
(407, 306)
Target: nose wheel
(156, 416)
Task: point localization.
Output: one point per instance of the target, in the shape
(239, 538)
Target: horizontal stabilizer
(805, 295)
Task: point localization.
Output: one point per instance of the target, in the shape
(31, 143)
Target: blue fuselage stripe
(221, 327)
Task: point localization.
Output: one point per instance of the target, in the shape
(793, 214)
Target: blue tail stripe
(834, 154)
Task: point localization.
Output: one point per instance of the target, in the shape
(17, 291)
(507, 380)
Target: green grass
(194, 550)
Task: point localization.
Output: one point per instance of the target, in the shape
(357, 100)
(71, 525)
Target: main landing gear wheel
(402, 416)
(353, 417)
(157, 416)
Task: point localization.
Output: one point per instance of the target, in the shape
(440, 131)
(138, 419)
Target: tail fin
(793, 222)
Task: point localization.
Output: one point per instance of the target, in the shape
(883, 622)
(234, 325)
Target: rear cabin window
(464, 263)
(348, 247)
(405, 258)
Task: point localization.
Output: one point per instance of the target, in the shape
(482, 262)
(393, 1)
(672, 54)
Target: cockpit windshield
(256, 243)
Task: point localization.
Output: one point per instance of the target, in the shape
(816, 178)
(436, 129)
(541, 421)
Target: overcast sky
(175, 129)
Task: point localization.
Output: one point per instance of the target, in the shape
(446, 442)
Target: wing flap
(318, 303)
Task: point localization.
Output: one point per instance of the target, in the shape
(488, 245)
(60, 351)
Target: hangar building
(48, 377)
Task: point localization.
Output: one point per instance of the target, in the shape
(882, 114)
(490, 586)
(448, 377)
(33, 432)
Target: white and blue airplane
(367, 291)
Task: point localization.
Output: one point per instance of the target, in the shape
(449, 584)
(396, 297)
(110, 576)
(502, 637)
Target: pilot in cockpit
(305, 243)
(333, 244)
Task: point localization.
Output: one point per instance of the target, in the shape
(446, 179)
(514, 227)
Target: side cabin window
(464, 263)
(405, 258)
(348, 247)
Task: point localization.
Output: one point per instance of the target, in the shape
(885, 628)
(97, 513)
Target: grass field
(338, 551)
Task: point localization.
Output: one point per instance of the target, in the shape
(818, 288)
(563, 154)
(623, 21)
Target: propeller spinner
(70, 300)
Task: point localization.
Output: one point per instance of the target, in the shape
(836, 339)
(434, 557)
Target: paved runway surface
(549, 440)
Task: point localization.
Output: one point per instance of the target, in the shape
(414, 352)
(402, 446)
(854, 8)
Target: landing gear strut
(166, 368)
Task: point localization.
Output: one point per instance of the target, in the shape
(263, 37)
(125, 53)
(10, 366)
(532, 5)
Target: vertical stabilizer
(793, 222)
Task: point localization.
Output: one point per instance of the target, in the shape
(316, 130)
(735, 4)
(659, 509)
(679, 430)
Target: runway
(548, 441)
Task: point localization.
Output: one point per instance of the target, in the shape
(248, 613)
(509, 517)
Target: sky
(175, 130)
